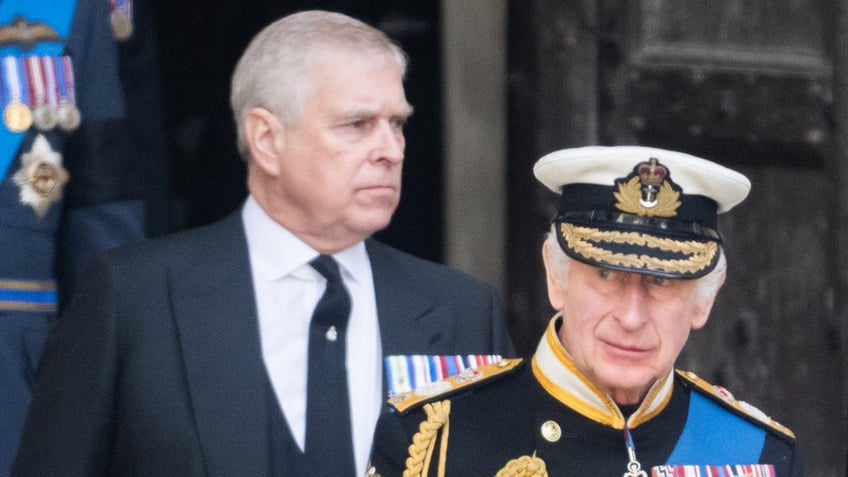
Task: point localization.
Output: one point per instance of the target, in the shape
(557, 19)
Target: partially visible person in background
(64, 157)
(256, 345)
(150, 176)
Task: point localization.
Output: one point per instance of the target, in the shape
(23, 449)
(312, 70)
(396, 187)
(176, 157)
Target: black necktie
(329, 441)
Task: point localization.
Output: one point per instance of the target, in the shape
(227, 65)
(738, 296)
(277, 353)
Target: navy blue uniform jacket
(545, 409)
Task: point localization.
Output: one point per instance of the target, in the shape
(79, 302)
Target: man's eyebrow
(405, 113)
(408, 110)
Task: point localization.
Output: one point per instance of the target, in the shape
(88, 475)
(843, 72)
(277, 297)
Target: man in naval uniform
(62, 153)
(633, 264)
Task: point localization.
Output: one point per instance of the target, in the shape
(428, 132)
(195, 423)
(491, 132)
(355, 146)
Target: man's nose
(632, 311)
(390, 143)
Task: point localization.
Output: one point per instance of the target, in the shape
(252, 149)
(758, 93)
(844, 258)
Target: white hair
(272, 71)
(559, 262)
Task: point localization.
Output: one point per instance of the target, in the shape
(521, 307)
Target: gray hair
(272, 71)
(708, 285)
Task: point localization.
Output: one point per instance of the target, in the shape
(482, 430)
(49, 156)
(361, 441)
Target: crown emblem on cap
(648, 191)
(651, 174)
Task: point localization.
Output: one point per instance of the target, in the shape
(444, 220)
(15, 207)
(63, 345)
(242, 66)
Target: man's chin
(376, 222)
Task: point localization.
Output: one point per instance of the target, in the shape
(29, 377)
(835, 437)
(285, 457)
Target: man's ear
(704, 307)
(264, 134)
(554, 288)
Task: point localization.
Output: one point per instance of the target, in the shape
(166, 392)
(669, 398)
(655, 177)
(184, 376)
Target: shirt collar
(558, 375)
(276, 252)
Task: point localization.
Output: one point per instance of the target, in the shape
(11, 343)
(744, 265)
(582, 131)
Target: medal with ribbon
(121, 18)
(42, 113)
(38, 28)
(48, 68)
(16, 114)
(41, 176)
(634, 468)
(67, 113)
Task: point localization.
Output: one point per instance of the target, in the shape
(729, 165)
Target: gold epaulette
(440, 389)
(724, 396)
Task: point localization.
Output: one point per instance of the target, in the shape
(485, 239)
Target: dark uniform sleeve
(149, 176)
(99, 214)
(775, 451)
(69, 424)
(391, 439)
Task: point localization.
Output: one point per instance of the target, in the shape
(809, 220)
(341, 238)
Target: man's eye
(604, 273)
(660, 281)
(399, 123)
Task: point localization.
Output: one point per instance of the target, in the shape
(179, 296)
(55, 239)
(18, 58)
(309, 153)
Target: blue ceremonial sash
(58, 14)
(714, 436)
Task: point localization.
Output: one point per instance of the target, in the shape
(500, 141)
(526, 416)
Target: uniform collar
(558, 375)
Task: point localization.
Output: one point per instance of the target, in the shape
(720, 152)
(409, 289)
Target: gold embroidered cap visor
(640, 209)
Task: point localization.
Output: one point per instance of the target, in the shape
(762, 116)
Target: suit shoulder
(416, 267)
(725, 399)
(383, 252)
(196, 244)
(471, 378)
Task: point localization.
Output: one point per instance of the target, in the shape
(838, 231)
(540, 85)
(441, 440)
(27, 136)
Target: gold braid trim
(701, 254)
(524, 466)
(424, 441)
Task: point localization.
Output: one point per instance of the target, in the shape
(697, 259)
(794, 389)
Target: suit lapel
(218, 329)
(216, 316)
(410, 322)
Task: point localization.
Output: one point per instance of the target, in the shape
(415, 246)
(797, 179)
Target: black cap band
(694, 209)
(622, 221)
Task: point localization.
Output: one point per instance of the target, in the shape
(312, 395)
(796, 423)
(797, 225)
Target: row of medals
(19, 116)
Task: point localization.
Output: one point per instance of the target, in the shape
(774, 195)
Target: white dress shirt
(287, 289)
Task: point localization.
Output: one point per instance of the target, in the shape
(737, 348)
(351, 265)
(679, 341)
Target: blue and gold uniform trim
(558, 375)
(28, 295)
(742, 408)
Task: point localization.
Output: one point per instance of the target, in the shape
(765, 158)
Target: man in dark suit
(187, 355)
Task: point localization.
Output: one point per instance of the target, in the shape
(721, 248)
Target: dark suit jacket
(156, 368)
